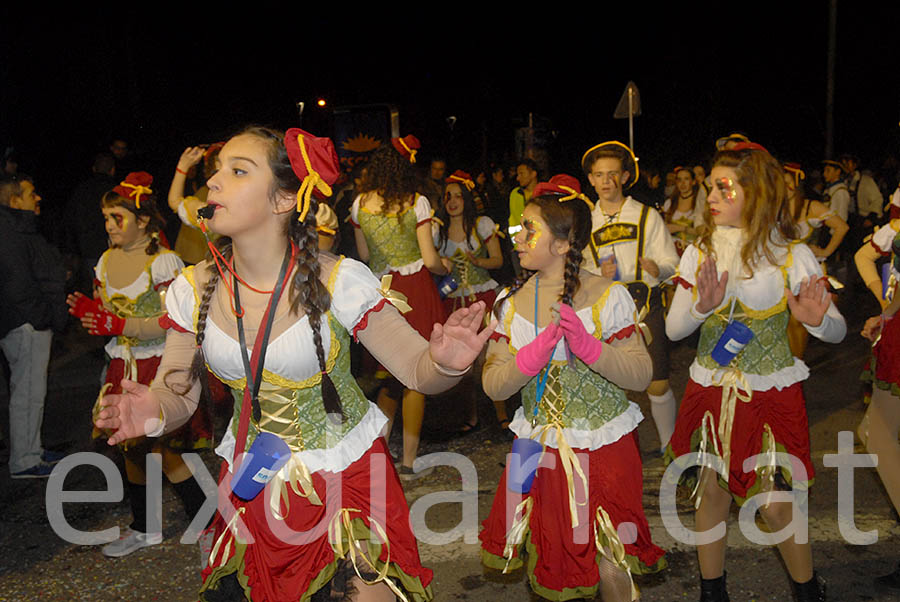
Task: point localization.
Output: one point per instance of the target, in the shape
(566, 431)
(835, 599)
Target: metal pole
(829, 93)
(631, 118)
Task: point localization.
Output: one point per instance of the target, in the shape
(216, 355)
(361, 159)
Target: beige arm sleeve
(625, 363)
(400, 349)
(143, 328)
(178, 398)
(865, 264)
(500, 376)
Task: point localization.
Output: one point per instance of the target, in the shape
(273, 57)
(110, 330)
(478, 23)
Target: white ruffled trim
(591, 440)
(180, 303)
(335, 459)
(884, 238)
(490, 285)
(779, 380)
(405, 270)
(116, 351)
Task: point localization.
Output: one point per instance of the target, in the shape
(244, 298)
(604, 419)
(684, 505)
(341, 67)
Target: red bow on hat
(136, 185)
(315, 163)
(749, 146)
(564, 186)
(461, 177)
(407, 146)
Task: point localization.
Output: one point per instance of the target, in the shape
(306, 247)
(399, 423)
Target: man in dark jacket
(32, 305)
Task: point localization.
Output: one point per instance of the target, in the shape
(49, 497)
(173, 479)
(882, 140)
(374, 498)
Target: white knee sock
(664, 408)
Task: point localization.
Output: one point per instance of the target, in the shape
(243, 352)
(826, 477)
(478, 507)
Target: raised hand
(457, 342)
(710, 288)
(811, 302)
(532, 357)
(134, 413)
(582, 344)
(190, 157)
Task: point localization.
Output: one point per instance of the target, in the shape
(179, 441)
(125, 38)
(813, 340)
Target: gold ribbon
(498, 231)
(707, 431)
(411, 151)
(325, 229)
(396, 298)
(616, 552)
(298, 479)
(570, 466)
(136, 191)
(464, 181)
(574, 194)
(312, 181)
(340, 526)
(516, 534)
(766, 468)
(230, 528)
(732, 382)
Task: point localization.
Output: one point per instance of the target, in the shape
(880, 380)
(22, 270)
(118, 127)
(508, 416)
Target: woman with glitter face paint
(131, 278)
(747, 273)
(301, 537)
(567, 338)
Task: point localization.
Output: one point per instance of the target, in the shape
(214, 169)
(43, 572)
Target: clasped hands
(95, 318)
(532, 357)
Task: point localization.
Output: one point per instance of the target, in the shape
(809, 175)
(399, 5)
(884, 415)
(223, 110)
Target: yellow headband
(138, 191)
(411, 151)
(312, 181)
(573, 194)
(467, 183)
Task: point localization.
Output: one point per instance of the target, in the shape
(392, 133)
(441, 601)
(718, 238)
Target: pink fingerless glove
(107, 324)
(581, 343)
(532, 358)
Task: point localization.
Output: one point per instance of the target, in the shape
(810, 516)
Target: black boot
(713, 590)
(811, 591)
(891, 581)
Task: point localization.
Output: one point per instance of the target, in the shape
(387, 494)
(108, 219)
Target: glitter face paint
(532, 233)
(727, 189)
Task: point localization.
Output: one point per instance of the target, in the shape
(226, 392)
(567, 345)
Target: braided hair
(567, 220)
(307, 290)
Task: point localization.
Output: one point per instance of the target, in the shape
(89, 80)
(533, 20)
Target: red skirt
(197, 433)
(275, 568)
(784, 411)
(561, 560)
(423, 297)
(451, 304)
(886, 356)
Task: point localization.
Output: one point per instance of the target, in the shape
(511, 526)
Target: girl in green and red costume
(131, 278)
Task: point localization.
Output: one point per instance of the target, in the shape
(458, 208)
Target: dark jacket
(32, 275)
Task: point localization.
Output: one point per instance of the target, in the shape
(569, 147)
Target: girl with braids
(131, 277)
(392, 223)
(469, 246)
(589, 483)
(746, 272)
(301, 537)
(809, 216)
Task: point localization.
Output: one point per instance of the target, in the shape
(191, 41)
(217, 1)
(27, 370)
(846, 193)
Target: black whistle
(206, 212)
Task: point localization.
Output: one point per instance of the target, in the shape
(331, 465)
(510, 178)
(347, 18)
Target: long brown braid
(567, 220)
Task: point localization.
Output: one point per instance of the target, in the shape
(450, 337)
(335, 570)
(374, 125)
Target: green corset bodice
(466, 273)
(767, 352)
(294, 410)
(579, 399)
(391, 239)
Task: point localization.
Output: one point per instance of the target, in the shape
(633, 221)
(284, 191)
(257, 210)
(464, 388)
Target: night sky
(69, 80)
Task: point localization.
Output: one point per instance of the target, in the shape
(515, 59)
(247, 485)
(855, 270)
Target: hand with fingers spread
(710, 287)
(133, 413)
(811, 302)
(532, 357)
(457, 342)
(190, 157)
(582, 344)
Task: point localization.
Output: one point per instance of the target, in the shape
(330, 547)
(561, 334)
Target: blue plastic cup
(523, 464)
(268, 454)
(735, 337)
(447, 286)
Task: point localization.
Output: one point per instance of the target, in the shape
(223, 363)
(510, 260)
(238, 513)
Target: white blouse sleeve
(485, 227)
(805, 265)
(884, 236)
(682, 318)
(616, 310)
(356, 291)
(166, 267)
(181, 302)
(354, 212)
(423, 210)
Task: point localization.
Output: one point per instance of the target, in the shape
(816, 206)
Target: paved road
(37, 565)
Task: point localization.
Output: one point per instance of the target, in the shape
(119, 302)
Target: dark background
(163, 77)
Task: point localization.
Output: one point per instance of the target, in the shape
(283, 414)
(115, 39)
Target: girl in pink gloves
(568, 339)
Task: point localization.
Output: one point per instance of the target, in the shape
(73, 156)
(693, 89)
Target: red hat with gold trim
(461, 177)
(564, 186)
(315, 163)
(735, 137)
(135, 187)
(407, 146)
